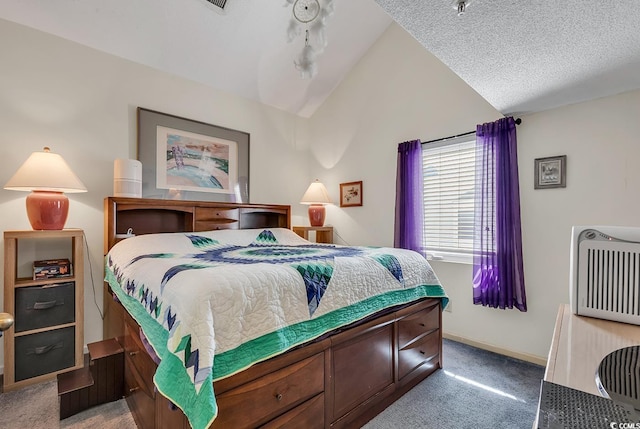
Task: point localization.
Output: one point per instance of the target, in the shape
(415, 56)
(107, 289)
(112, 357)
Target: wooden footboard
(341, 381)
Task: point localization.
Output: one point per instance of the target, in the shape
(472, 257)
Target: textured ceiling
(531, 55)
(521, 56)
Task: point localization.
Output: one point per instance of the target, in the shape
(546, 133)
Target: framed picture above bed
(185, 159)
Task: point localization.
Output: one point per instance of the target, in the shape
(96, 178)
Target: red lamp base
(316, 215)
(47, 210)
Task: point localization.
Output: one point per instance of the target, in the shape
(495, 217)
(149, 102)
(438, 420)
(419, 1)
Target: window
(449, 184)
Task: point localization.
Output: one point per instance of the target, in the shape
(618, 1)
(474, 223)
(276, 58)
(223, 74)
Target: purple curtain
(409, 209)
(498, 276)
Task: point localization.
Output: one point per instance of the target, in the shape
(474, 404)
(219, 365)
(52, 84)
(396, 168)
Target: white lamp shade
(45, 171)
(316, 194)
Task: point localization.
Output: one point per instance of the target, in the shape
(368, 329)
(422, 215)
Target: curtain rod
(518, 121)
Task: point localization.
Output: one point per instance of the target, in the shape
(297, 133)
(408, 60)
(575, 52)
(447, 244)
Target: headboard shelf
(148, 216)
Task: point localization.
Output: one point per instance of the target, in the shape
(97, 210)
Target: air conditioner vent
(218, 5)
(605, 273)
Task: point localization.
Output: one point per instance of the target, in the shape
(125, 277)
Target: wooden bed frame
(339, 381)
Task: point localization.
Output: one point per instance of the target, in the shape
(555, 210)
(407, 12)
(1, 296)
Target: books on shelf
(52, 268)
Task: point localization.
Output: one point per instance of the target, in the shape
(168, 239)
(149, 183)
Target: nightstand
(324, 234)
(47, 336)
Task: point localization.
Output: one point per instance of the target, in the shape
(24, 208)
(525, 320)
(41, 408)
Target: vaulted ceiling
(521, 56)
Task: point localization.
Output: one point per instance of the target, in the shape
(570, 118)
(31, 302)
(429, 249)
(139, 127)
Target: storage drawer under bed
(271, 395)
(137, 360)
(418, 353)
(418, 324)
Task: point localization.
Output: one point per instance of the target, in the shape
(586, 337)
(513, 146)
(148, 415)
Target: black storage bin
(43, 306)
(42, 353)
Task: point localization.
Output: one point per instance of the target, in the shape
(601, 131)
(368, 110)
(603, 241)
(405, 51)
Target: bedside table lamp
(47, 175)
(316, 196)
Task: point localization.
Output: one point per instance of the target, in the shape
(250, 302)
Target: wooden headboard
(147, 216)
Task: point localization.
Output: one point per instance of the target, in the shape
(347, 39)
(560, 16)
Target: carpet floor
(37, 407)
(476, 389)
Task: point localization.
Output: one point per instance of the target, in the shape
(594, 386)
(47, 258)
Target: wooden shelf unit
(324, 234)
(65, 356)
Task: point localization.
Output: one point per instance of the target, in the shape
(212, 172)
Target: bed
(229, 319)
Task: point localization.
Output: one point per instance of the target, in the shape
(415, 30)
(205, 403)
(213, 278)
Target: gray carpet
(456, 397)
(475, 389)
(36, 407)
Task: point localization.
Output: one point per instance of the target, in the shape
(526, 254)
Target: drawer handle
(421, 352)
(133, 389)
(279, 397)
(44, 349)
(422, 324)
(44, 305)
(134, 353)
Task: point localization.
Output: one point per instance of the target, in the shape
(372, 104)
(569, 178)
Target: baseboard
(506, 352)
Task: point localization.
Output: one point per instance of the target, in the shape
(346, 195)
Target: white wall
(397, 92)
(82, 103)
(600, 139)
(400, 92)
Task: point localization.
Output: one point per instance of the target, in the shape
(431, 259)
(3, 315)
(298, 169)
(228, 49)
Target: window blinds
(449, 183)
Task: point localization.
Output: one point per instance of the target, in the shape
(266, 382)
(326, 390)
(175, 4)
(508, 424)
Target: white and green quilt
(212, 304)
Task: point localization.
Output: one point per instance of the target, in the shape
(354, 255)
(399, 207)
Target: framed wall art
(351, 194)
(191, 160)
(550, 172)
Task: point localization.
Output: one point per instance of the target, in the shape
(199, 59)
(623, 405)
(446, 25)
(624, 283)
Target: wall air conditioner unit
(221, 6)
(605, 272)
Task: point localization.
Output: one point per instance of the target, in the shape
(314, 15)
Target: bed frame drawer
(309, 415)
(143, 406)
(140, 365)
(417, 353)
(418, 324)
(207, 219)
(356, 383)
(215, 226)
(259, 401)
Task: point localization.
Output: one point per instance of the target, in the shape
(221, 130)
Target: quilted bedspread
(214, 303)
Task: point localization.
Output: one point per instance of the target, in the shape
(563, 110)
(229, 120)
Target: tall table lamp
(47, 176)
(316, 196)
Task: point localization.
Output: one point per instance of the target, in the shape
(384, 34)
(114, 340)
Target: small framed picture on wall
(351, 194)
(550, 172)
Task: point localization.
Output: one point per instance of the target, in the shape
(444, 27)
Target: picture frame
(351, 194)
(184, 159)
(550, 172)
